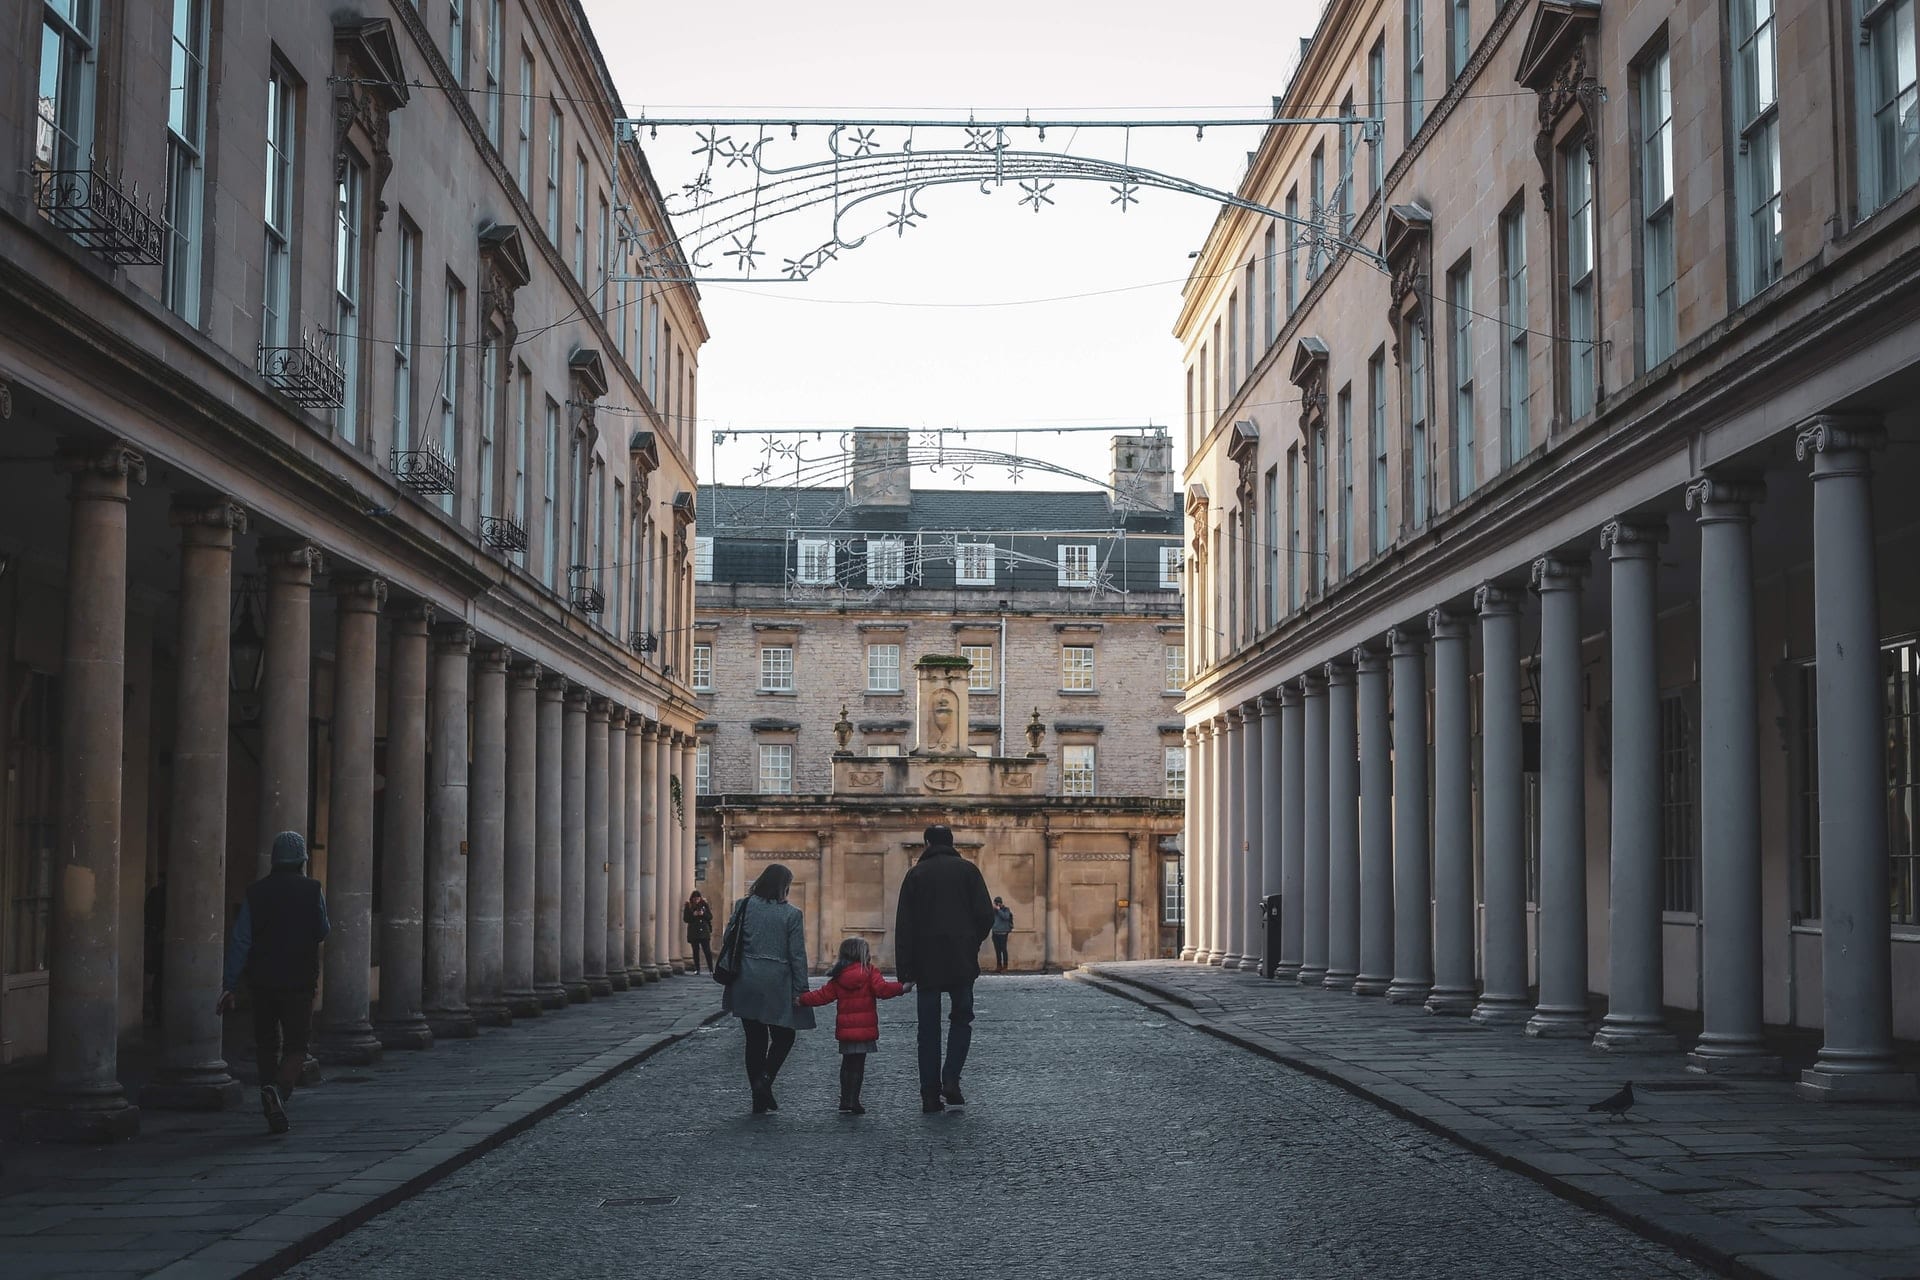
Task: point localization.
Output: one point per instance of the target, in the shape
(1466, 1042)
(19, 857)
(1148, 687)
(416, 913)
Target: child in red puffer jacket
(858, 987)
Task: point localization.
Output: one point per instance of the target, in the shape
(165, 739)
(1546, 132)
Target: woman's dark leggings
(767, 1049)
(700, 946)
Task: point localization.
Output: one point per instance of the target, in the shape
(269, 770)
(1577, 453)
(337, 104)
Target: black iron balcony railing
(502, 534)
(307, 374)
(644, 642)
(588, 599)
(91, 207)
(425, 471)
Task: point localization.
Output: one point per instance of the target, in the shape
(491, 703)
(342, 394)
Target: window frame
(1580, 298)
(1414, 58)
(1655, 206)
(1879, 24)
(64, 138)
(349, 289)
(984, 672)
(1380, 527)
(1516, 374)
(776, 671)
(1173, 765)
(701, 667)
(183, 210)
(1756, 128)
(807, 559)
(883, 659)
(1173, 657)
(1067, 575)
(886, 562)
(702, 558)
(780, 756)
(1078, 669)
(974, 564)
(1460, 353)
(1079, 769)
(406, 306)
(1172, 560)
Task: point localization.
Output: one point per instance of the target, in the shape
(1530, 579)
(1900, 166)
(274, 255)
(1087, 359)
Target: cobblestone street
(1102, 1139)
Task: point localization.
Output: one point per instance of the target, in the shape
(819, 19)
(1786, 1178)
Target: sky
(991, 312)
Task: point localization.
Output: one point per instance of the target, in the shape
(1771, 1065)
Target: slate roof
(735, 511)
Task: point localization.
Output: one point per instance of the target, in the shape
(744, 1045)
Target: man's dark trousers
(282, 1020)
(959, 1035)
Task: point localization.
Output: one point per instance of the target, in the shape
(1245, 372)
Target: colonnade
(532, 854)
(1377, 876)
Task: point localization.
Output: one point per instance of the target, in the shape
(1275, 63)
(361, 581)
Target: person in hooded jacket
(944, 914)
(858, 987)
(276, 946)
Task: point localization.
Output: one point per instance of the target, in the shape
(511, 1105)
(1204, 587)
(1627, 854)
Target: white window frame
(1379, 525)
(883, 668)
(1174, 657)
(1516, 385)
(457, 41)
(1173, 891)
(776, 768)
(550, 550)
(406, 283)
(1756, 123)
(1888, 107)
(452, 375)
(813, 562)
(496, 73)
(886, 562)
(556, 152)
(1460, 353)
(276, 290)
(776, 668)
(702, 559)
(349, 255)
(1076, 668)
(63, 125)
(1416, 66)
(1172, 560)
(186, 160)
(580, 216)
(980, 679)
(1583, 367)
(1658, 266)
(1075, 564)
(523, 169)
(703, 769)
(973, 564)
(1079, 769)
(1174, 771)
(702, 666)
(1419, 423)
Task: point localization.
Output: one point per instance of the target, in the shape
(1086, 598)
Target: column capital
(1236, 714)
(1368, 659)
(291, 560)
(553, 685)
(1406, 640)
(1289, 692)
(652, 730)
(1192, 736)
(1493, 599)
(1338, 672)
(599, 708)
(207, 519)
(413, 618)
(1632, 539)
(102, 471)
(1721, 496)
(524, 673)
(1270, 702)
(636, 725)
(358, 592)
(1445, 624)
(1313, 684)
(494, 658)
(1831, 433)
(1556, 573)
(453, 637)
(576, 697)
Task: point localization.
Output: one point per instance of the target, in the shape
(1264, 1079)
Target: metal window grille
(1679, 790)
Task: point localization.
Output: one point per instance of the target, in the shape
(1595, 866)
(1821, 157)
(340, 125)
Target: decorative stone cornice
(1445, 624)
(1556, 573)
(1494, 599)
(1632, 539)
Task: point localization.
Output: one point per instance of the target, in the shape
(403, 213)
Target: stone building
(351, 491)
(1551, 613)
(814, 605)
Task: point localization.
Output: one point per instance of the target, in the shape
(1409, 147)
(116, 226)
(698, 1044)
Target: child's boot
(855, 1065)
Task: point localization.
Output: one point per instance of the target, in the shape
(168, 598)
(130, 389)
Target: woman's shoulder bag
(726, 969)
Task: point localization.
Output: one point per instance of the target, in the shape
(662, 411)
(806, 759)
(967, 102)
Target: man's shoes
(274, 1108)
(951, 1092)
(930, 1102)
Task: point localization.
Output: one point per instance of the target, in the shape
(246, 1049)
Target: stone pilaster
(1562, 1007)
(1453, 898)
(1504, 997)
(193, 1073)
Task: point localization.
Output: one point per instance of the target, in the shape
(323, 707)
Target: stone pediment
(1557, 29)
(589, 373)
(1243, 440)
(1309, 357)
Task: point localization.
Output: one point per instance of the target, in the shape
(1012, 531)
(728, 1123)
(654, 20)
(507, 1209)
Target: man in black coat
(945, 913)
(276, 944)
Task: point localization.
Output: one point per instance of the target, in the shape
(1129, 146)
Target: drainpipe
(1001, 679)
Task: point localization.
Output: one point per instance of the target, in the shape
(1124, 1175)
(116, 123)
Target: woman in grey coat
(773, 970)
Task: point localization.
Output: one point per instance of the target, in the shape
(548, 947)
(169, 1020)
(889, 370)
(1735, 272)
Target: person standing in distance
(944, 915)
(276, 944)
(1002, 926)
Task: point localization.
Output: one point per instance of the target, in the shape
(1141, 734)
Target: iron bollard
(1270, 949)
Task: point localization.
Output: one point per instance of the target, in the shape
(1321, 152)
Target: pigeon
(1618, 1105)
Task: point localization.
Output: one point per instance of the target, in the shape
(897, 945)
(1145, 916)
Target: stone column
(1634, 962)
(1272, 824)
(193, 1072)
(547, 848)
(650, 953)
(573, 848)
(486, 836)
(617, 850)
(1200, 857)
(593, 937)
(521, 839)
(1235, 948)
(1856, 1060)
(1731, 1037)
(666, 910)
(1503, 810)
(639, 943)
(1453, 916)
(343, 1034)
(1313, 807)
(82, 1100)
(1190, 847)
(1343, 832)
(286, 698)
(1412, 870)
(1376, 826)
(689, 811)
(445, 951)
(1293, 833)
(1219, 863)
(399, 1022)
(1562, 1011)
(1253, 828)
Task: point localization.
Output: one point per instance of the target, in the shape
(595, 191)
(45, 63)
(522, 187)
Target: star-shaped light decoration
(741, 154)
(963, 472)
(980, 139)
(864, 143)
(907, 217)
(1125, 194)
(700, 187)
(1015, 471)
(712, 144)
(1036, 193)
(744, 254)
(798, 268)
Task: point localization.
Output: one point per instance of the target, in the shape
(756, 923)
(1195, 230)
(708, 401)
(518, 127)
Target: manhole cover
(638, 1202)
(1682, 1086)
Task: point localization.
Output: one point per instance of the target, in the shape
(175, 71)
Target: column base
(683, 965)
(658, 972)
(551, 995)
(1823, 1084)
(352, 1045)
(1451, 1002)
(641, 974)
(1559, 1024)
(1366, 985)
(1502, 1011)
(1311, 975)
(208, 1088)
(1338, 980)
(452, 1024)
(1249, 964)
(578, 992)
(1287, 971)
(1230, 959)
(1406, 991)
(523, 1004)
(1186, 953)
(100, 1117)
(1634, 1035)
(618, 980)
(1749, 1060)
(492, 1013)
(404, 1033)
(599, 986)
